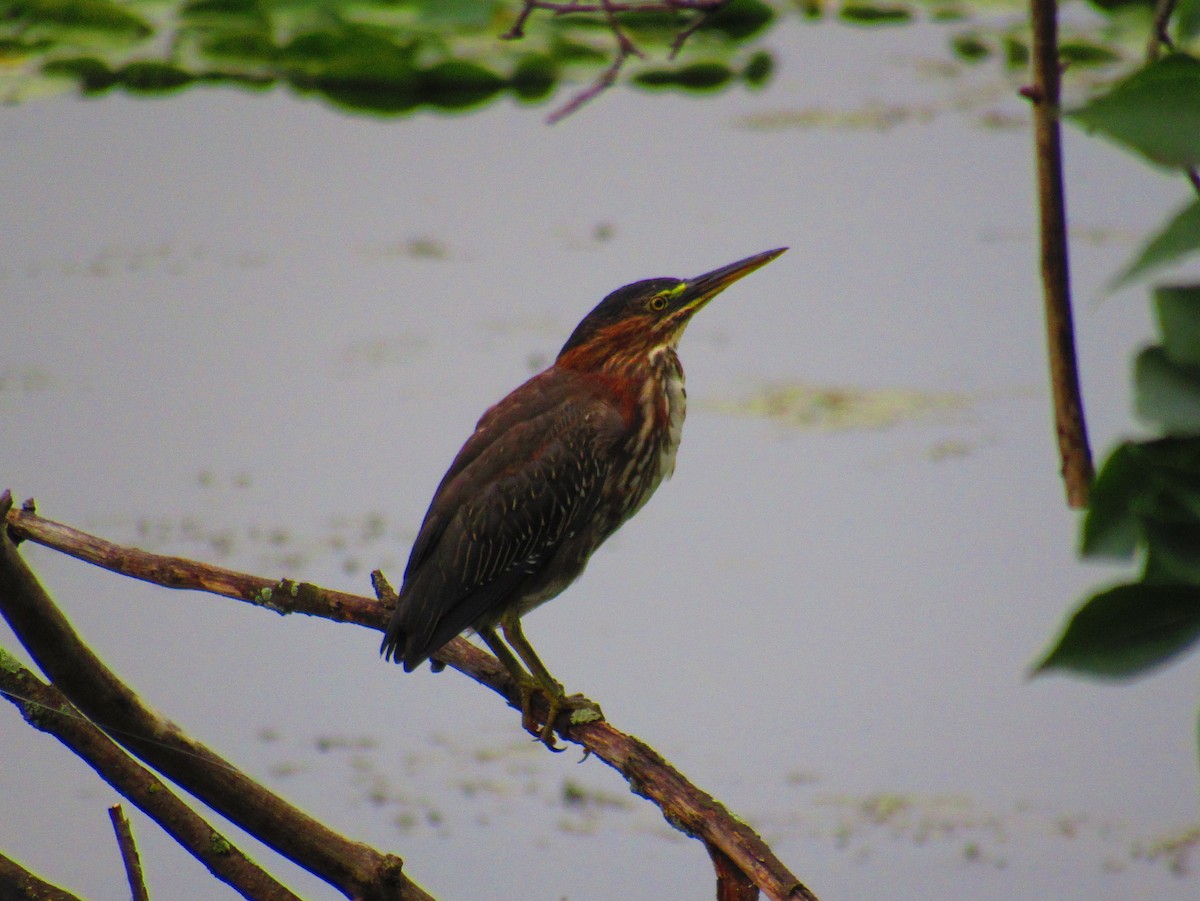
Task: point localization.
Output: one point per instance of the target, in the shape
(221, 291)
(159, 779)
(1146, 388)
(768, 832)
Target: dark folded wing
(528, 483)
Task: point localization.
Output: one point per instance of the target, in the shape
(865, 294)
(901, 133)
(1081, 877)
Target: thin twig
(568, 8)
(1159, 34)
(1193, 176)
(625, 47)
(1070, 425)
(48, 710)
(732, 884)
(129, 853)
(686, 807)
(697, 24)
(356, 869)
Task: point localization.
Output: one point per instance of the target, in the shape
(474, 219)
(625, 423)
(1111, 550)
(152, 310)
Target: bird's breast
(655, 431)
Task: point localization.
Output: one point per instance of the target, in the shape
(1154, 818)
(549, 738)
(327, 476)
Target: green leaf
(151, 77)
(874, 13)
(970, 47)
(1155, 111)
(457, 85)
(78, 17)
(92, 74)
(1180, 236)
(1178, 309)
(758, 69)
(534, 77)
(1167, 393)
(1016, 52)
(1127, 630)
(1173, 465)
(1083, 53)
(1187, 20)
(457, 13)
(739, 19)
(1175, 549)
(1110, 528)
(696, 77)
(239, 15)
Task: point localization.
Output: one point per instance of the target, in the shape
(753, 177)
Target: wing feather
(524, 482)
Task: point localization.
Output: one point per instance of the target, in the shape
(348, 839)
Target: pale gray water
(219, 341)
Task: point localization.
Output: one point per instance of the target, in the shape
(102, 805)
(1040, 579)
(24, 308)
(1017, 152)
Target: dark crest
(615, 307)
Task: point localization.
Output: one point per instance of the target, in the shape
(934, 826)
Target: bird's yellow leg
(556, 699)
(526, 684)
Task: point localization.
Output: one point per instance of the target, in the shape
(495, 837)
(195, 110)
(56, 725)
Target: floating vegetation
(826, 408)
(870, 117)
(25, 380)
(367, 355)
(351, 539)
(422, 247)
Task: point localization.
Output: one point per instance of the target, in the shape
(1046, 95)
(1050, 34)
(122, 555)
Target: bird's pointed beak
(703, 288)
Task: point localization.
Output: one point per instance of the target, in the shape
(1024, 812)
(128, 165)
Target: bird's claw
(582, 710)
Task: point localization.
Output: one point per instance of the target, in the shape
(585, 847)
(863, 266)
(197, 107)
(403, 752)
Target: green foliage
(384, 57)
(1087, 53)
(860, 13)
(1147, 498)
(759, 69)
(1187, 20)
(696, 77)
(1178, 310)
(97, 21)
(969, 47)
(1167, 393)
(1155, 111)
(1177, 238)
(1128, 630)
(740, 20)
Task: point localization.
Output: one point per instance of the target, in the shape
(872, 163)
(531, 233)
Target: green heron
(550, 472)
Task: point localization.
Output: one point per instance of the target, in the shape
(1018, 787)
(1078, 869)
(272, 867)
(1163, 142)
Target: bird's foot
(581, 709)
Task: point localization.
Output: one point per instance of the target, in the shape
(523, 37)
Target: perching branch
(18, 882)
(1076, 455)
(356, 869)
(625, 47)
(684, 806)
(129, 853)
(48, 710)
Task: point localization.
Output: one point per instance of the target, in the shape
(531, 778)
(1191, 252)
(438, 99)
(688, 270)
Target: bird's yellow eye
(658, 303)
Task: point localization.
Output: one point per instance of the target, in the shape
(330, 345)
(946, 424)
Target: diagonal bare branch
(357, 869)
(47, 709)
(684, 806)
(18, 882)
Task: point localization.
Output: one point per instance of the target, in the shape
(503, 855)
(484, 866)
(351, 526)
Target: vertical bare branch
(1069, 421)
(732, 884)
(129, 853)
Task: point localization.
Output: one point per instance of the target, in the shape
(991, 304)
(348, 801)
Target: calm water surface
(253, 331)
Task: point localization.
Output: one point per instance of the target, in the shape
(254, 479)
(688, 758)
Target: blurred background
(253, 327)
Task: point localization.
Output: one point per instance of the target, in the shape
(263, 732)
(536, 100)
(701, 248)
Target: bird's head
(639, 319)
